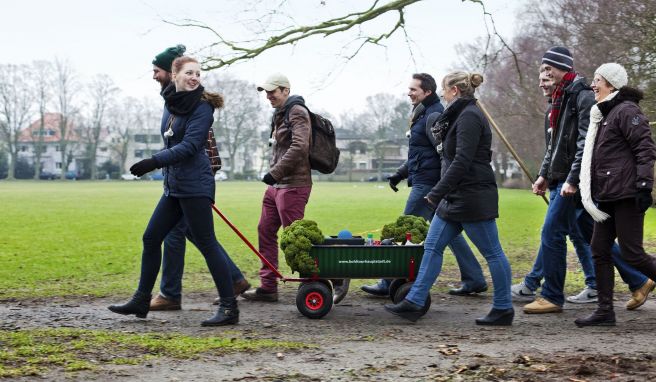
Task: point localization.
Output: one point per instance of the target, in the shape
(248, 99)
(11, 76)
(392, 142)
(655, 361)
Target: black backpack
(324, 154)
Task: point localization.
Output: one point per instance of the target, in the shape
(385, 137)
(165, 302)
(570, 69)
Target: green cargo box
(362, 262)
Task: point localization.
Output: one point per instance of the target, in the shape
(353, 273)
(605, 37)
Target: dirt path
(358, 340)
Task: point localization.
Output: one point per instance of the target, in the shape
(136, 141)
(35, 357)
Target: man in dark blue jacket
(422, 169)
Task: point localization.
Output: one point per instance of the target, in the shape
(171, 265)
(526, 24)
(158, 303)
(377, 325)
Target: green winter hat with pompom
(165, 59)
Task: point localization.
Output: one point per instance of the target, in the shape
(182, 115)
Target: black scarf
(183, 102)
(447, 118)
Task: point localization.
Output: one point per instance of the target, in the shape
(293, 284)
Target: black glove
(268, 179)
(643, 200)
(143, 166)
(394, 180)
(430, 201)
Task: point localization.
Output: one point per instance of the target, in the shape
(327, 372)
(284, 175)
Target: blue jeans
(553, 245)
(471, 273)
(582, 248)
(485, 237)
(173, 262)
(197, 213)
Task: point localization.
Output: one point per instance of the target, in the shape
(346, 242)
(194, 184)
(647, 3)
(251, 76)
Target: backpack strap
(288, 109)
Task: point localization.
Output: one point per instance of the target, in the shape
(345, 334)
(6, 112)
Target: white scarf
(586, 164)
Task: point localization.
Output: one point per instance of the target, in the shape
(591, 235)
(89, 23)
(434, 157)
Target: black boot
(598, 318)
(139, 305)
(497, 317)
(228, 314)
(604, 315)
(406, 309)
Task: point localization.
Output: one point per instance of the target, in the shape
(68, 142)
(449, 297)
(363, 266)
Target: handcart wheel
(403, 290)
(314, 299)
(394, 286)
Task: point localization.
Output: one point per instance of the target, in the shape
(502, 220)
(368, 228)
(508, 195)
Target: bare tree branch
(238, 52)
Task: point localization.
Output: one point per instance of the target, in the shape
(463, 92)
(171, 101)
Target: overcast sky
(121, 37)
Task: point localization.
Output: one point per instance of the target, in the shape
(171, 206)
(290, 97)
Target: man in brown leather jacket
(289, 180)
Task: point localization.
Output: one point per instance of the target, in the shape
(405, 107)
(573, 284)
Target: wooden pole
(509, 146)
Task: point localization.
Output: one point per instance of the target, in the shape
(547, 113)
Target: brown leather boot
(160, 302)
(239, 286)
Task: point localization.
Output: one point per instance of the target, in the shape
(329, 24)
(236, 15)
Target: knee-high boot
(604, 315)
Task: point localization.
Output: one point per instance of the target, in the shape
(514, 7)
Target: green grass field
(84, 238)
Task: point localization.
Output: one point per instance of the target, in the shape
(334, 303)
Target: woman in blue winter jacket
(188, 190)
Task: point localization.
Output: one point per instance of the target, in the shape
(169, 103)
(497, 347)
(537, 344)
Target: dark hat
(165, 59)
(559, 57)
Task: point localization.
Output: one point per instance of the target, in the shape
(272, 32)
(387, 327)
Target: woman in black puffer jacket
(188, 190)
(617, 173)
(466, 199)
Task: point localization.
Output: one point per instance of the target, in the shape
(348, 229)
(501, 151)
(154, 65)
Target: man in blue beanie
(571, 101)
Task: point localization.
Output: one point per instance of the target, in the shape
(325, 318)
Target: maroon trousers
(280, 207)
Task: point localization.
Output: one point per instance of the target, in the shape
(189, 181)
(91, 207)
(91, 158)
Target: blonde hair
(464, 81)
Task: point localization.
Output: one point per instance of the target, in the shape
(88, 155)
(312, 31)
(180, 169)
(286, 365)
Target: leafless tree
(102, 92)
(281, 30)
(16, 103)
(125, 117)
(385, 121)
(238, 122)
(40, 85)
(65, 87)
(595, 32)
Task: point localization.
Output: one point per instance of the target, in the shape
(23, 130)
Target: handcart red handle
(248, 243)
(314, 298)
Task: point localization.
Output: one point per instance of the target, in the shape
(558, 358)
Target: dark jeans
(631, 276)
(197, 213)
(581, 235)
(173, 262)
(581, 247)
(626, 224)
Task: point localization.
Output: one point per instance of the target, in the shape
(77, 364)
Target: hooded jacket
(184, 162)
(624, 152)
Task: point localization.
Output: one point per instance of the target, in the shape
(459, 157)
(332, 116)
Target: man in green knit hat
(162, 64)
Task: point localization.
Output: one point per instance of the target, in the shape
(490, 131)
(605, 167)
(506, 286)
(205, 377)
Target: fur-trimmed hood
(625, 93)
(214, 99)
